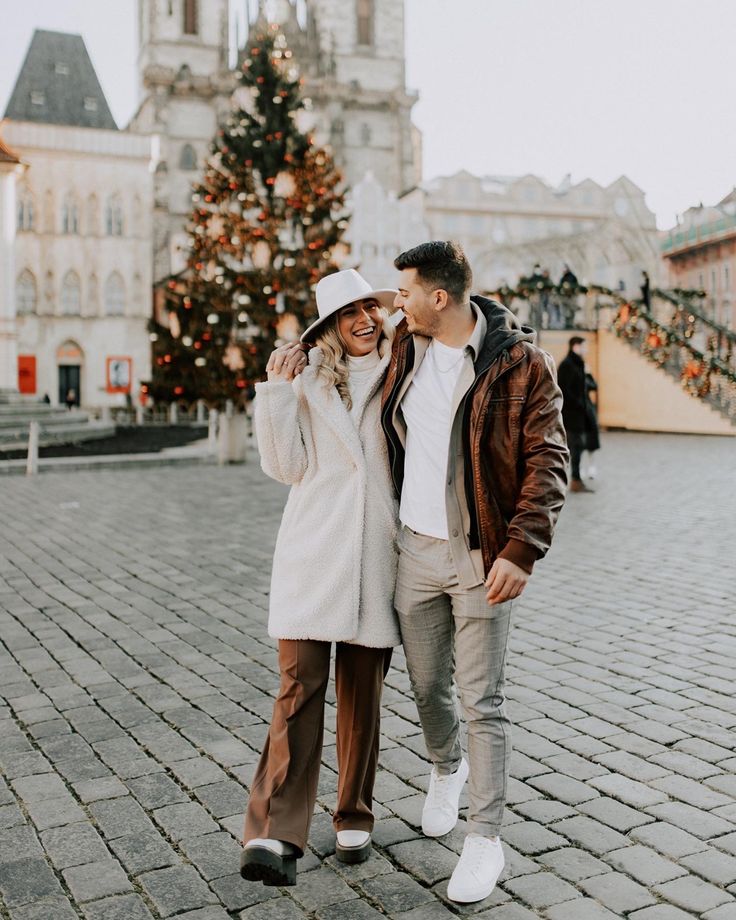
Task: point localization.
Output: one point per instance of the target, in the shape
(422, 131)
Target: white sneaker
(478, 869)
(439, 814)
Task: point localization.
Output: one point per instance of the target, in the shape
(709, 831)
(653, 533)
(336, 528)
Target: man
(646, 295)
(478, 457)
(569, 277)
(568, 288)
(571, 378)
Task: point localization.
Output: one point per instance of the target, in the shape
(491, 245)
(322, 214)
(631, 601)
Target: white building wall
(85, 163)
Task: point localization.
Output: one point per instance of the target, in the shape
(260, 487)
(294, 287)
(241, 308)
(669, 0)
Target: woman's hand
(286, 362)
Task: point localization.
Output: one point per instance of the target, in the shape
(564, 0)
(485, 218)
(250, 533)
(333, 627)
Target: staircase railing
(672, 331)
(686, 344)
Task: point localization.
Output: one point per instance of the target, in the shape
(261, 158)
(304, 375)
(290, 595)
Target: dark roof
(57, 85)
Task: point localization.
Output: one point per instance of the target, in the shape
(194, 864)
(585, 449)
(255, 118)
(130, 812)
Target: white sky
(588, 87)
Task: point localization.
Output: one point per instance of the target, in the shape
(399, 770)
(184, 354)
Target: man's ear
(440, 299)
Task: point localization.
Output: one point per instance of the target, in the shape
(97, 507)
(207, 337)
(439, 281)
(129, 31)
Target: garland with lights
(267, 220)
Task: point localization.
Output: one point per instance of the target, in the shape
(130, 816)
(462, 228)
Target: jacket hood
(503, 330)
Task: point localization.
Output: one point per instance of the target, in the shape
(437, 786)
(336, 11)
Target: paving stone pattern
(137, 680)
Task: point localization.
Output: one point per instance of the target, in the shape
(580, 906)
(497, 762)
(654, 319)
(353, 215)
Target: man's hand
(286, 362)
(505, 582)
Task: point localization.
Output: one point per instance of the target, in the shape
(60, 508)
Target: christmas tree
(267, 218)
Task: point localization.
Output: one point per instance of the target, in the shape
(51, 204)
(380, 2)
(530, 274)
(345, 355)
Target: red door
(27, 374)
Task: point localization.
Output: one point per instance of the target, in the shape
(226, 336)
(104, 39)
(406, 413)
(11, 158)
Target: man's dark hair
(575, 340)
(439, 264)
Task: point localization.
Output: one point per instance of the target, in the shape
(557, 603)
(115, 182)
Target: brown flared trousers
(284, 788)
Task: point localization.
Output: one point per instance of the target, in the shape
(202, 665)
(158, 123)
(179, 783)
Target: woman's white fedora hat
(338, 290)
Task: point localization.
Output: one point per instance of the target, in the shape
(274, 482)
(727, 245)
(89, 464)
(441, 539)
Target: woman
(592, 433)
(333, 577)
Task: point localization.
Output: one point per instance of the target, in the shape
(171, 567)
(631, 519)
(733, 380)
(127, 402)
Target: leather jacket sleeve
(544, 458)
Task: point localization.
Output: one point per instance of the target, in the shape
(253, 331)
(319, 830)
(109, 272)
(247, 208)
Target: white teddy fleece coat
(334, 566)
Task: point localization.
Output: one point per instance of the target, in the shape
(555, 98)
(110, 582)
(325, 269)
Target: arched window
(365, 22)
(70, 215)
(114, 216)
(188, 157)
(93, 216)
(26, 294)
(71, 294)
(26, 212)
(138, 305)
(114, 295)
(191, 26)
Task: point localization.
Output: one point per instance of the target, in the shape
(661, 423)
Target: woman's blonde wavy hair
(334, 369)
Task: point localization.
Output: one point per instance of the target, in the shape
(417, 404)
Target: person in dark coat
(569, 277)
(571, 379)
(592, 433)
(646, 294)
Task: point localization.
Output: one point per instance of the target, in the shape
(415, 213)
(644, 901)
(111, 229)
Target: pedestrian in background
(571, 378)
(592, 431)
(646, 295)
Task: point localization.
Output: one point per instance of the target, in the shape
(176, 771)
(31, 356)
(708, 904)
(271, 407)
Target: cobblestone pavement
(137, 680)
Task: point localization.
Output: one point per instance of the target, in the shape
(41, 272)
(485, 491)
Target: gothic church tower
(360, 96)
(184, 86)
(351, 55)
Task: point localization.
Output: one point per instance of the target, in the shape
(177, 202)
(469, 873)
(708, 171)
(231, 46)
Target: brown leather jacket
(516, 479)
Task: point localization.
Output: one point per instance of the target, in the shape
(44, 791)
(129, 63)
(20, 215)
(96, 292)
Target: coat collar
(327, 402)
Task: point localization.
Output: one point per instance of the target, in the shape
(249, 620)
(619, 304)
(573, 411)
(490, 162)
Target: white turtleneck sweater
(361, 371)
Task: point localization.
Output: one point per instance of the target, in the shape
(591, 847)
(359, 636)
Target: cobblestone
(137, 680)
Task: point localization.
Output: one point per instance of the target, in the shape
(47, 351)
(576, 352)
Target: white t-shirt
(427, 409)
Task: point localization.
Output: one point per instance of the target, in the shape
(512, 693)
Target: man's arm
(545, 460)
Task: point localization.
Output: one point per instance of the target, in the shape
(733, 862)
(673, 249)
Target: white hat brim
(385, 296)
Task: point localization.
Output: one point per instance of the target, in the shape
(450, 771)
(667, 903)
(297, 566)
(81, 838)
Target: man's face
(581, 349)
(418, 303)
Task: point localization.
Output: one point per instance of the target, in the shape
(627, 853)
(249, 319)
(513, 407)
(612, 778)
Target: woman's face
(359, 325)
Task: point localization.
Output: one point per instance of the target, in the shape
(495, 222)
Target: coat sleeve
(279, 432)
(545, 460)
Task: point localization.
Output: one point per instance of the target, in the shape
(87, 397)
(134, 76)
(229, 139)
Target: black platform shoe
(260, 864)
(353, 854)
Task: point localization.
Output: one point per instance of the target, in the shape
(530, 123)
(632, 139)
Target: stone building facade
(184, 88)
(700, 254)
(607, 235)
(82, 275)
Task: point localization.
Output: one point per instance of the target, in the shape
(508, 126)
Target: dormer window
(191, 25)
(38, 97)
(90, 104)
(62, 69)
